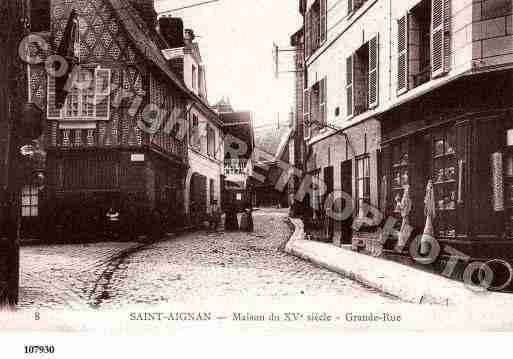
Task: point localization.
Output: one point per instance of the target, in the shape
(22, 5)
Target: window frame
(211, 141)
(30, 192)
(316, 32)
(445, 180)
(365, 179)
(97, 96)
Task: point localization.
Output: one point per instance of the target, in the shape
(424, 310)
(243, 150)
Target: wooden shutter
(102, 93)
(53, 113)
(323, 22)
(308, 27)
(306, 113)
(439, 45)
(373, 71)
(349, 85)
(402, 54)
(322, 102)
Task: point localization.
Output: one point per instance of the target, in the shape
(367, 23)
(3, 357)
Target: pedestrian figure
(246, 223)
(215, 218)
(156, 225)
(231, 221)
(113, 223)
(251, 226)
(131, 223)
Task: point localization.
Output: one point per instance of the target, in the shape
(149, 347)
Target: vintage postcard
(297, 166)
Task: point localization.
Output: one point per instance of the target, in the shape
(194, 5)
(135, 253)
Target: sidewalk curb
(403, 282)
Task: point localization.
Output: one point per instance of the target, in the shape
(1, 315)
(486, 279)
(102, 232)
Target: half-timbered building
(116, 140)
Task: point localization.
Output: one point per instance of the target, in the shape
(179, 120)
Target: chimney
(189, 36)
(171, 28)
(147, 11)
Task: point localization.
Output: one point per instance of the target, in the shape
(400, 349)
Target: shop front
(458, 141)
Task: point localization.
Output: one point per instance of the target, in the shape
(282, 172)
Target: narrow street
(198, 266)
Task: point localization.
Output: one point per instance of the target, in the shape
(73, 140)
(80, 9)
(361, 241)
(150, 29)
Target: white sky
(236, 38)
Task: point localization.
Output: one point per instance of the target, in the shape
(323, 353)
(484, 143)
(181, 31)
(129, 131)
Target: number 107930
(39, 349)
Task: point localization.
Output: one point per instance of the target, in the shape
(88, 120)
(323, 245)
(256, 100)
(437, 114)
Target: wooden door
(329, 222)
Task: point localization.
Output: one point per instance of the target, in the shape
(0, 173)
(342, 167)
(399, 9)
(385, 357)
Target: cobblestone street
(198, 266)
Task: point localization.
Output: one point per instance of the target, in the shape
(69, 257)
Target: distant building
(270, 174)
(205, 175)
(239, 145)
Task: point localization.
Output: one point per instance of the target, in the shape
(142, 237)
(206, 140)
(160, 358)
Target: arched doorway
(198, 198)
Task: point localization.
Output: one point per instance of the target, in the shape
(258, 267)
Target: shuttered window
(306, 114)
(102, 93)
(52, 112)
(373, 71)
(439, 42)
(323, 22)
(349, 86)
(322, 102)
(308, 45)
(316, 28)
(402, 56)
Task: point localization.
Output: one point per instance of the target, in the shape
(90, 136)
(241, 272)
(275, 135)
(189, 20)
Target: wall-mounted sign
(137, 157)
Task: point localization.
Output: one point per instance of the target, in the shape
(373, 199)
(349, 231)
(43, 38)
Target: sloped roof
(148, 42)
(141, 37)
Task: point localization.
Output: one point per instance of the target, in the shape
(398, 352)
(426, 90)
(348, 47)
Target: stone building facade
(399, 95)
